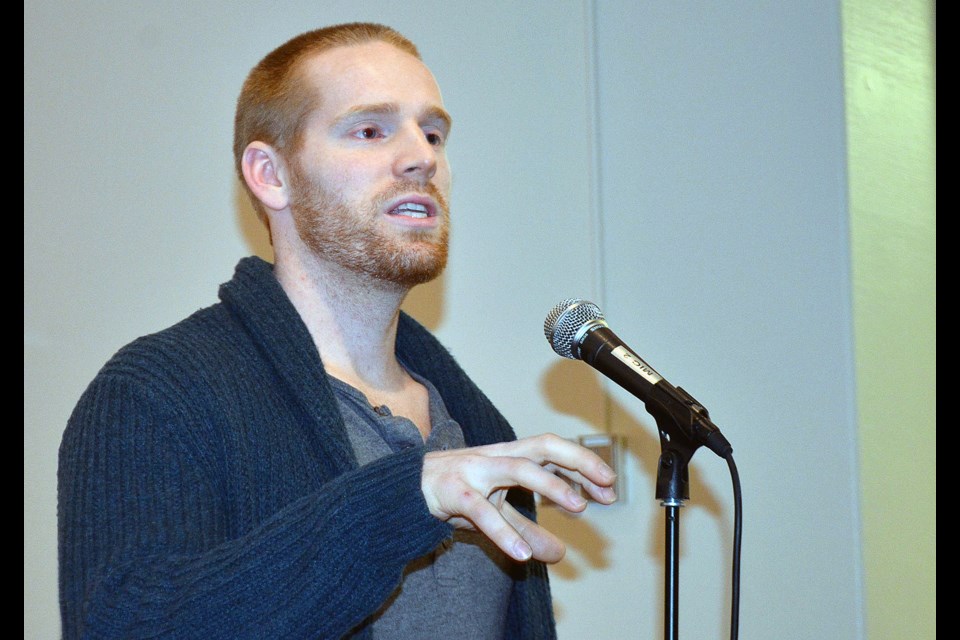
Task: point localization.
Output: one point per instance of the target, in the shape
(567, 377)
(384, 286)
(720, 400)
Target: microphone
(576, 329)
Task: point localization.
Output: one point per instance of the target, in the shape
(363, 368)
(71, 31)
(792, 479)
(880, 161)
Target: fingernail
(522, 551)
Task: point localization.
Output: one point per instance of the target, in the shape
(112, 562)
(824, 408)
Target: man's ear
(263, 172)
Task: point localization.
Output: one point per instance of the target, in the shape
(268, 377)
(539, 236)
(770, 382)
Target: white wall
(726, 265)
(681, 164)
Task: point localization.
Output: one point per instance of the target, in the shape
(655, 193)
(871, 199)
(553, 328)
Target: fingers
(516, 535)
(451, 477)
(544, 464)
(574, 461)
(601, 493)
(466, 488)
(494, 524)
(547, 483)
(544, 546)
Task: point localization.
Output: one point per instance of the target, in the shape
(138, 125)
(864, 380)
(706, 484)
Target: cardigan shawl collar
(256, 299)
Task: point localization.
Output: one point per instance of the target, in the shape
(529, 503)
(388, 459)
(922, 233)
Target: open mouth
(411, 210)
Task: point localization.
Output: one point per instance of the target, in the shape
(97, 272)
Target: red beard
(357, 240)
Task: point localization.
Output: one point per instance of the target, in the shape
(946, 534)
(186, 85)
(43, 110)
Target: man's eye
(435, 139)
(368, 133)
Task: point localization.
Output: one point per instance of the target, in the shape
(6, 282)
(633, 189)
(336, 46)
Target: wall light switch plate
(610, 449)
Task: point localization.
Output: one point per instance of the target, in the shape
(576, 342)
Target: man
(303, 460)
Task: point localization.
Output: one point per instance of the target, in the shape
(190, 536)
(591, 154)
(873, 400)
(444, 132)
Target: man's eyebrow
(433, 114)
(439, 115)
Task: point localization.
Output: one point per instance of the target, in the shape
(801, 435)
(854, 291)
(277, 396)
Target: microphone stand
(576, 329)
(673, 487)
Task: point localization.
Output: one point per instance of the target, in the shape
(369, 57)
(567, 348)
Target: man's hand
(468, 488)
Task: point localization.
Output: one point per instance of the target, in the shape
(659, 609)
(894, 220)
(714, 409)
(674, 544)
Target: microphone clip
(684, 426)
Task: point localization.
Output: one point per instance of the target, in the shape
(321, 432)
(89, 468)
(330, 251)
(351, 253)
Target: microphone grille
(564, 321)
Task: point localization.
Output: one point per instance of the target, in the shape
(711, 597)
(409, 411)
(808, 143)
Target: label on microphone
(633, 361)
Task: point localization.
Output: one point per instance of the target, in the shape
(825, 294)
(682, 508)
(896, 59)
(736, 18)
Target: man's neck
(353, 321)
(351, 317)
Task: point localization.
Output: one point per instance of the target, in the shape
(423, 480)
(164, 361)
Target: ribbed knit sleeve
(206, 487)
(153, 548)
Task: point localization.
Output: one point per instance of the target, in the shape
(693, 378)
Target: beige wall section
(890, 54)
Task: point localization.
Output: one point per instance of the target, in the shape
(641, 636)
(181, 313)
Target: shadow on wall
(251, 229)
(573, 388)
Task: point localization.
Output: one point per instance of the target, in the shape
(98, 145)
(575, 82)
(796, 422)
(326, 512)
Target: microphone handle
(602, 349)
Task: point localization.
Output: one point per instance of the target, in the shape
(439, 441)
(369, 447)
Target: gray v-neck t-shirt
(462, 588)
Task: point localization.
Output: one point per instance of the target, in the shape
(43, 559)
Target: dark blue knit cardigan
(207, 488)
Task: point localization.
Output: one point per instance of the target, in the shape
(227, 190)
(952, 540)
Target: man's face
(370, 183)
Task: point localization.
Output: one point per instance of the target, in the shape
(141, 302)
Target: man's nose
(416, 156)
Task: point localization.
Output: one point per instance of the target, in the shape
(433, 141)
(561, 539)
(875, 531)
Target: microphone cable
(737, 539)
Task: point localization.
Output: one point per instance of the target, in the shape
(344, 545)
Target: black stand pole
(673, 487)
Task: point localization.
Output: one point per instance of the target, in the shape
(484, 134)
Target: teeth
(411, 209)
